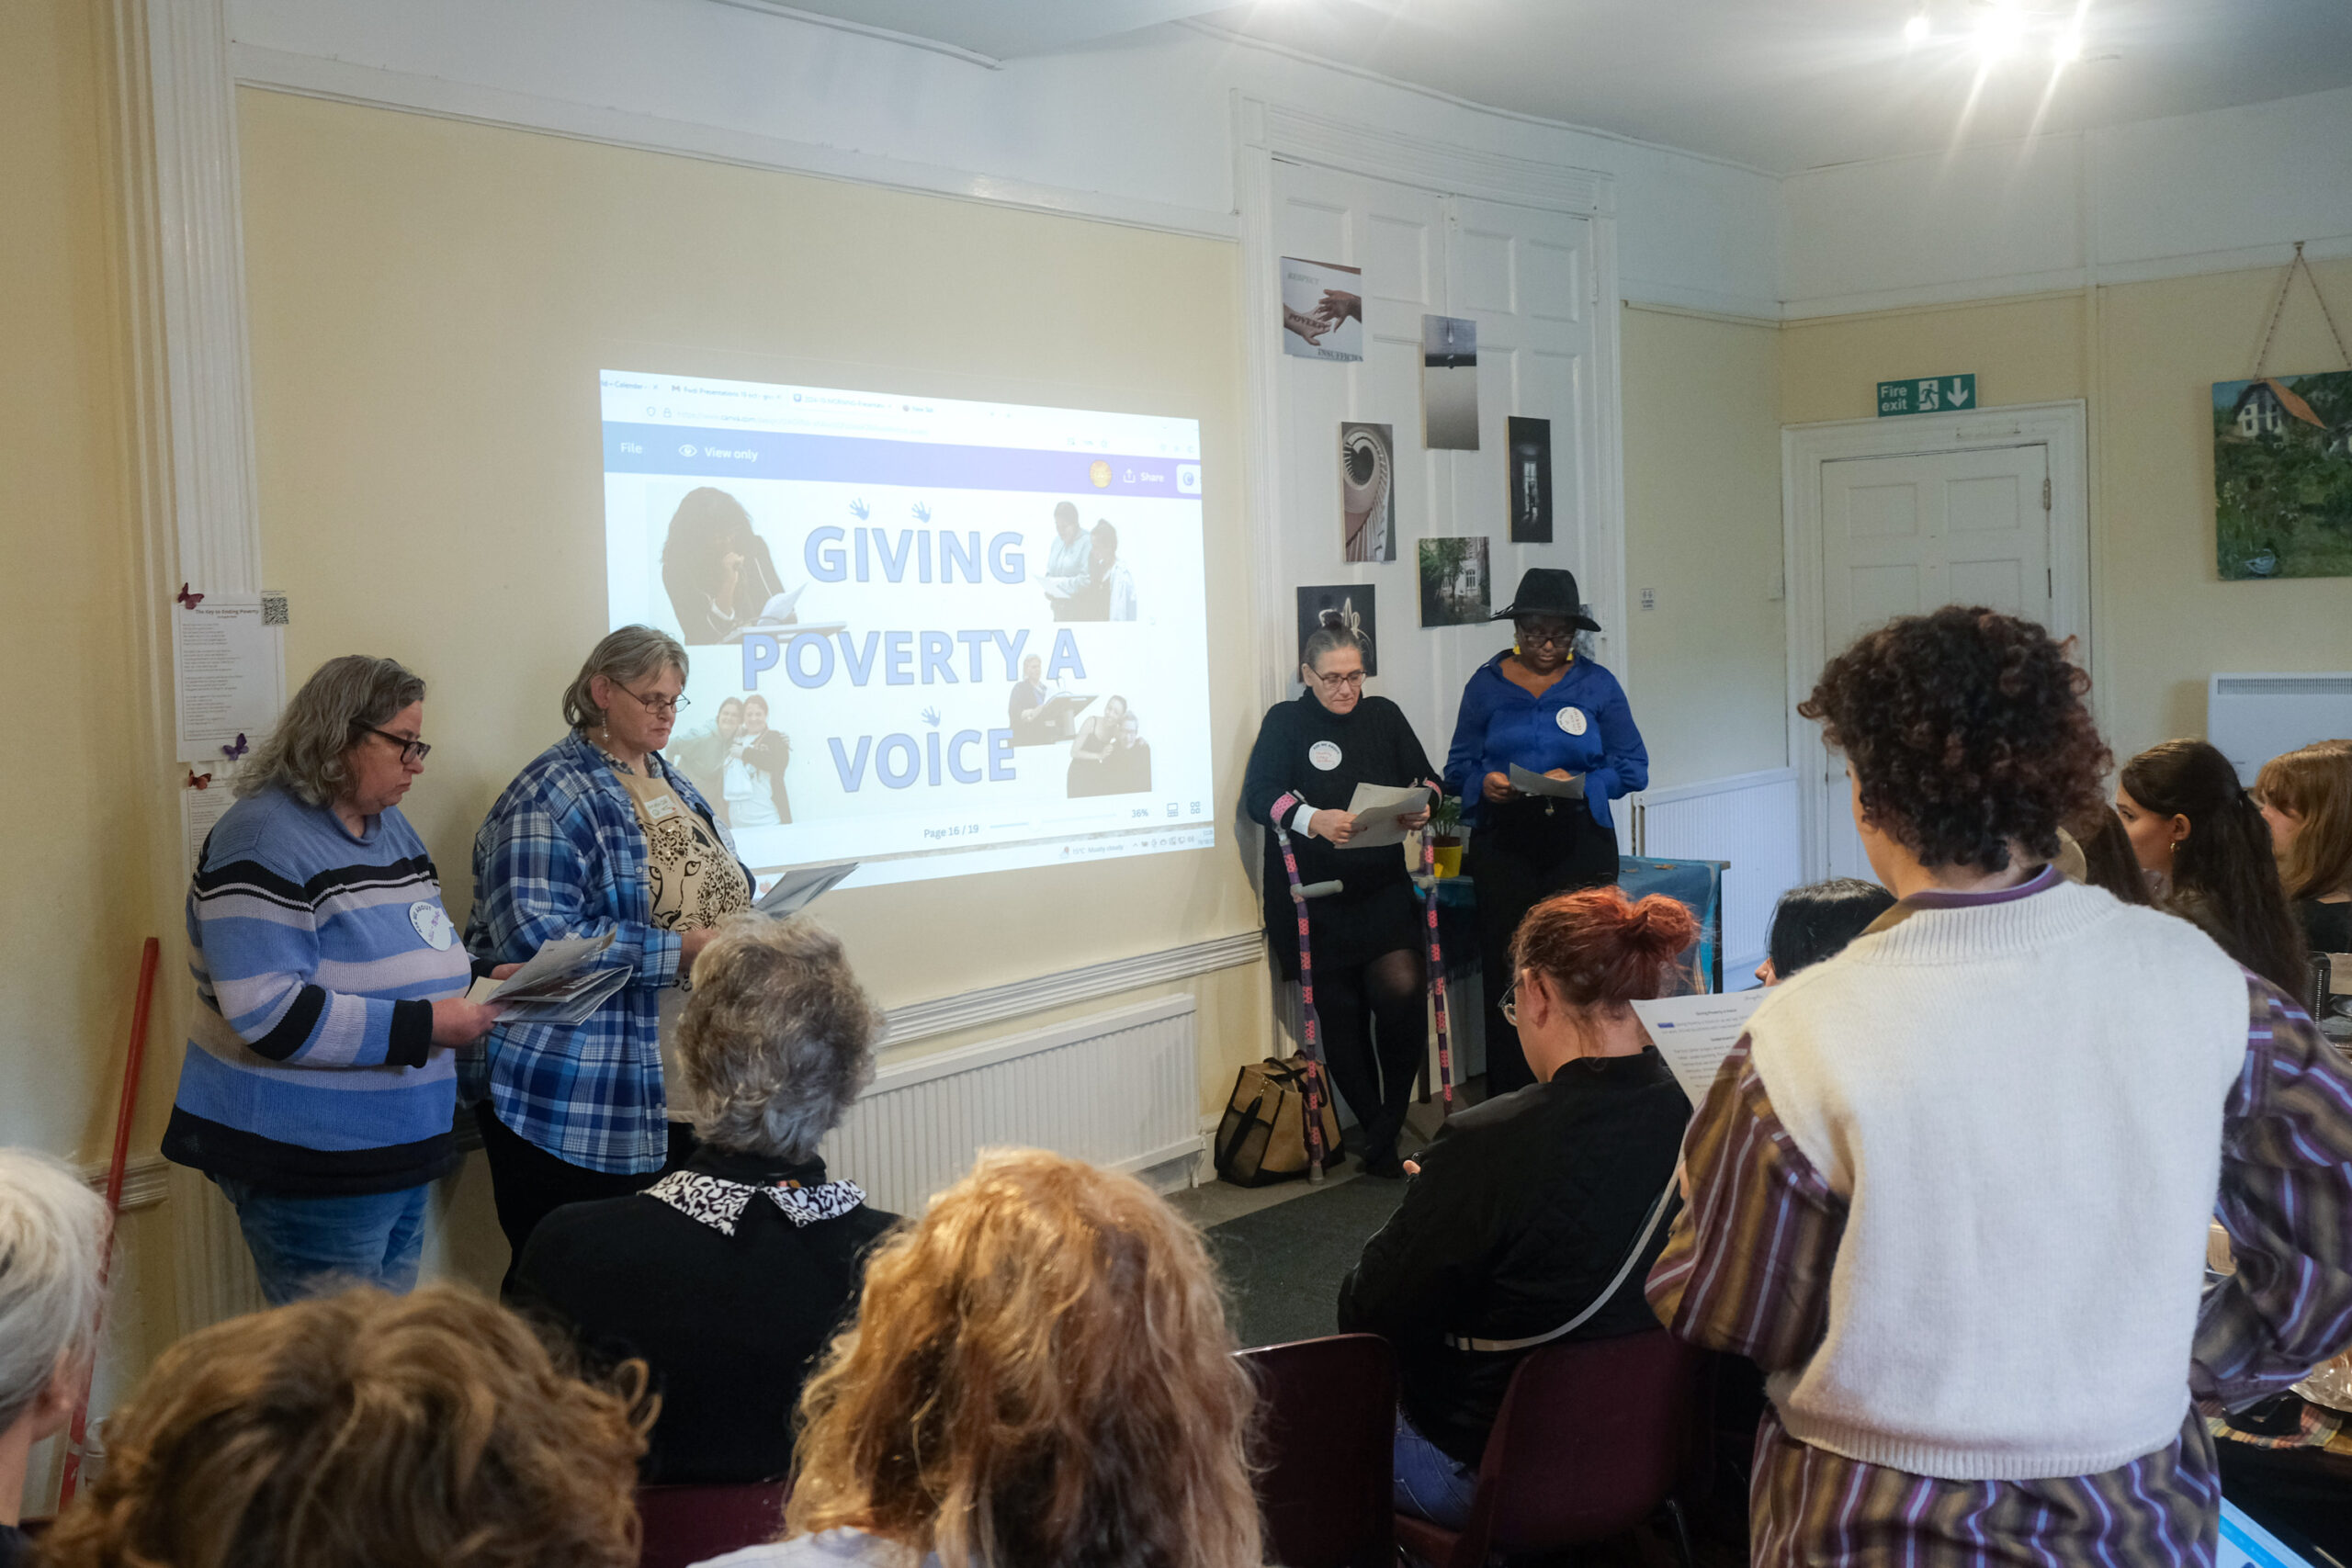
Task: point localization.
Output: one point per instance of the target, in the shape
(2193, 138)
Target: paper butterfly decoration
(239, 749)
(190, 599)
(198, 781)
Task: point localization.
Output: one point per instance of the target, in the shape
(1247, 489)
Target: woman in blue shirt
(1540, 706)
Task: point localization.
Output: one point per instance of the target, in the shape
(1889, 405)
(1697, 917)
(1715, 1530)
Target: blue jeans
(305, 1245)
(1431, 1484)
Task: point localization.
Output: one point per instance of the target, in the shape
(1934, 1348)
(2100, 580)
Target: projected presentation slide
(936, 637)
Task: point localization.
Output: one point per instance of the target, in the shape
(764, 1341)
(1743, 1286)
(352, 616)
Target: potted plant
(1446, 834)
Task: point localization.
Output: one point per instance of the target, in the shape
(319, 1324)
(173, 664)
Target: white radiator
(1121, 1089)
(1751, 819)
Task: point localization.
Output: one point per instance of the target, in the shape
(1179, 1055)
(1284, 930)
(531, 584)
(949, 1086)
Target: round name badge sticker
(432, 923)
(1572, 720)
(1324, 755)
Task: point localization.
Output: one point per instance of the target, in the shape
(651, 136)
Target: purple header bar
(858, 459)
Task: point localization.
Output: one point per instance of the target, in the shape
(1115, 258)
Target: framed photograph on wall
(1349, 604)
(1450, 383)
(2282, 476)
(1528, 481)
(1367, 492)
(1455, 582)
(1322, 309)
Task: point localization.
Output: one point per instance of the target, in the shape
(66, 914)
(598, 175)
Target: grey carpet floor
(1282, 1265)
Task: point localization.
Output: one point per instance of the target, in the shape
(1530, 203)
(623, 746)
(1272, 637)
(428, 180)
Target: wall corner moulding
(191, 405)
(186, 219)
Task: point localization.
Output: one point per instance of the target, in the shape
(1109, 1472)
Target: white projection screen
(932, 637)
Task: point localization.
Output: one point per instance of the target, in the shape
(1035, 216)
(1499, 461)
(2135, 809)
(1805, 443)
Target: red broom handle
(80, 1431)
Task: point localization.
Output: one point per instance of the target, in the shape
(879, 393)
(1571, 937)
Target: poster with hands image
(1322, 309)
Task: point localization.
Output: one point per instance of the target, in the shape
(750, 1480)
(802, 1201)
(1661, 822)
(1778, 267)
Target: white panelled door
(1902, 536)
(1526, 277)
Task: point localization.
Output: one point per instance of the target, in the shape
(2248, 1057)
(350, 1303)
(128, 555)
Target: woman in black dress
(1369, 973)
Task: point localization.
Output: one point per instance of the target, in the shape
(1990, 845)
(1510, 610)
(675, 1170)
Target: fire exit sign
(1926, 394)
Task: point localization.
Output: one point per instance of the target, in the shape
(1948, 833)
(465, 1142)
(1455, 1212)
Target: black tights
(1374, 1060)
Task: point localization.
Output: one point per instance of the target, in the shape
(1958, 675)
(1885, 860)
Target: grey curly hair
(777, 1038)
(629, 654)
(306, 754)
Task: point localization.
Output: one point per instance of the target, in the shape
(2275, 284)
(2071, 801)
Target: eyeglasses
(657, 706)
(1563, 637)
(1341, 681)
(411, 751)
(1510, 1003)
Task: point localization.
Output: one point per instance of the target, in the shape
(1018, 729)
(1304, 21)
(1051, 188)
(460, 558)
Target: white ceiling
(1775, 85)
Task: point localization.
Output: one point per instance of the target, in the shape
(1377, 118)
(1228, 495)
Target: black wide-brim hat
(1548, 590)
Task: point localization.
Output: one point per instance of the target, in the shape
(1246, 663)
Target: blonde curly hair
(368, 1431)
(1040, 1376)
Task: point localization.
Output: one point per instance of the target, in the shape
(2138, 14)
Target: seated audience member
(53, 1250)
(2306, 797)
(1815, 922)
(2108, 860)
(2193, 825)
(367, 1431)
(729, 1277)
(1954, 1199)
(1040, 1375)
(1527, 1210)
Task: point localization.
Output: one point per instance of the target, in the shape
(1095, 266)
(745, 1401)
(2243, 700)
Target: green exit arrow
(1927, 394)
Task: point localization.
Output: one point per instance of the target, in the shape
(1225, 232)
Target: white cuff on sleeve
(1301, 819)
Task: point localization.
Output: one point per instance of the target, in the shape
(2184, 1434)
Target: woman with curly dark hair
(2194, 825)
(1951, 1192)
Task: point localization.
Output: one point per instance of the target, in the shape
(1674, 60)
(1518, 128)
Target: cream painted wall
(74, 621)
(430, 303)
(1703, 528)
(2143, 357)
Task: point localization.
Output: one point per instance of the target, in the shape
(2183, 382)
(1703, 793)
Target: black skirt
(1348, 933)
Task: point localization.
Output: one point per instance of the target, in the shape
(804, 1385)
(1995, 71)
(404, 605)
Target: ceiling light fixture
(1916, 30)
(2069, 47)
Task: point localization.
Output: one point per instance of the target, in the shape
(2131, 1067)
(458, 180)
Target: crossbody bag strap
(1641, 1244)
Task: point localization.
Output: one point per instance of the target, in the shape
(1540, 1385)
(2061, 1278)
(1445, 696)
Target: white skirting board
(1751, 819)
(1120, 1087)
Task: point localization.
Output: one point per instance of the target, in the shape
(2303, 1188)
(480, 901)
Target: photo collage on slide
(936, 638)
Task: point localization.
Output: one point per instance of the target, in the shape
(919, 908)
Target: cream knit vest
(2021, 1103)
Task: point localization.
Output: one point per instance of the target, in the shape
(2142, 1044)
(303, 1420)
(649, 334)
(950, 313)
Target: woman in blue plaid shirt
(598, 835)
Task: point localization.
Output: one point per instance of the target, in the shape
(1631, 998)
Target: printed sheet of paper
(200, 810)
(1526, 782)
(1375, 808)
(795, 890)
(560, 984)
(1695, 1034)
(227, 674)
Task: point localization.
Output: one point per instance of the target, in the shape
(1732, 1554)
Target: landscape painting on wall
(2282, 476)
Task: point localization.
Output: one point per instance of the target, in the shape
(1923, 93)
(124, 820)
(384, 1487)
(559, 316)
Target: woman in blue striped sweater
(318, 1088)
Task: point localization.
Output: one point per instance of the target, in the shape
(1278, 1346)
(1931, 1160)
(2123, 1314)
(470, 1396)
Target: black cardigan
(1524, 1208)
(729, 1324)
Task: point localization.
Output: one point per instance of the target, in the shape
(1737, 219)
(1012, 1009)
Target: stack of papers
(1695, 1034)
(795, 890)
(561, 984)
(1376, 807)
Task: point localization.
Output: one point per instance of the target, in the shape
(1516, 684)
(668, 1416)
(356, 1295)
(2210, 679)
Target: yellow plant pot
(1449, 860)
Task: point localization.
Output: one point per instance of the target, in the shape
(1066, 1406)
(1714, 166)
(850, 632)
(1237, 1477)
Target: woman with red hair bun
(1535, 1216)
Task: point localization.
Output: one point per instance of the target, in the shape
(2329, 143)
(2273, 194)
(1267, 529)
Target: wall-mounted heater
(2254, 718)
